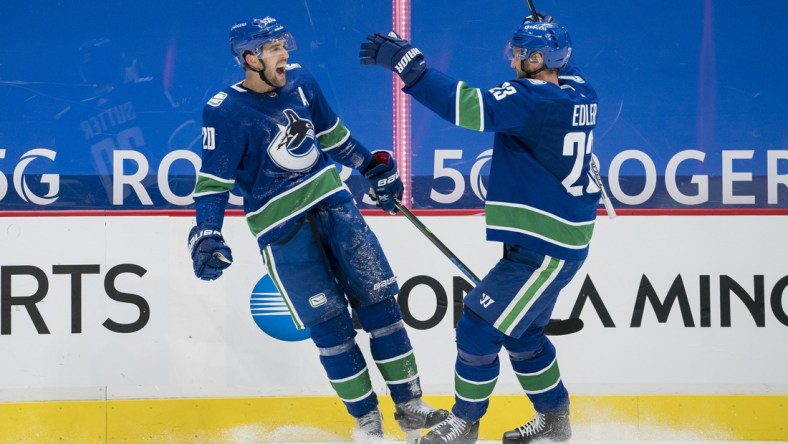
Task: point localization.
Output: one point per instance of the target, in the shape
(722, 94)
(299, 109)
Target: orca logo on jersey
(294, 148)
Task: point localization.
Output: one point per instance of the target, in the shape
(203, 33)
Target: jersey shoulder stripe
(469, 107)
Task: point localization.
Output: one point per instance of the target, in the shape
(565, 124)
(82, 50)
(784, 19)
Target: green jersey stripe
(399, 369)
(528, 294)
(209, 184)
(538, 223)
(334, 136)
(469, 108)
(294, 201)
(542, 380)
(473, 391)
(354, 388)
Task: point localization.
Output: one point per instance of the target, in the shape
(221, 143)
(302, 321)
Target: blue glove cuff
(411, 67)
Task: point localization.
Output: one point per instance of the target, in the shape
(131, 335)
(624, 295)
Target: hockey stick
(556, 327)
(611, 212)
(534, 15)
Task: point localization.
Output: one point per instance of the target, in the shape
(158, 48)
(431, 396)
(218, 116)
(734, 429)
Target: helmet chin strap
(530, 75)
(261, 73)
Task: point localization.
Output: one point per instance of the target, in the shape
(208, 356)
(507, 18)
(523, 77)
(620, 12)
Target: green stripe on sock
(353, 388)
(542, 380)
(403, 368)
(473, 391)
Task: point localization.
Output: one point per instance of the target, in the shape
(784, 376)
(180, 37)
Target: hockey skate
(414, 415)
(369, 428)
(544, 427)
(452, 430)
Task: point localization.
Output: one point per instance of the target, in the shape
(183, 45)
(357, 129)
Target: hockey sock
(391, 349)
(477, 366)
(344, 364)
(394, 357)
(539, 375)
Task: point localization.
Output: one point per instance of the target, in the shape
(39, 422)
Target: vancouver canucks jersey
(274, 149)
(540, 193)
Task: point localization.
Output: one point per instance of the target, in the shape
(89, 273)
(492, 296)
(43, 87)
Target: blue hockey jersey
(540, 193)
(274, 149)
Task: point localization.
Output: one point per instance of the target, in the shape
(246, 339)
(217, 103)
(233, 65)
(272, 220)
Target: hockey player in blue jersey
(274, 138)
(541, 204)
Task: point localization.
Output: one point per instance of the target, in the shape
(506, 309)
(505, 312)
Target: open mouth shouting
(281, 75)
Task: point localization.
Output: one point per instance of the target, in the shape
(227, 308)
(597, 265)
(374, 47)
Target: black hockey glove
(383, 176)
(210, 255)
(396, 54)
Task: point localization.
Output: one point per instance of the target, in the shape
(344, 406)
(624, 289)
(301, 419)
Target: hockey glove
(383, 176)
(396, 54)
(210, 255)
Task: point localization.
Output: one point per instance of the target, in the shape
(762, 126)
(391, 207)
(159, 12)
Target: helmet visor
(511, 52)
(284, 41)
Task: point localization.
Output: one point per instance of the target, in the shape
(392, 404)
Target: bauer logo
(271, 314)
(384, 283)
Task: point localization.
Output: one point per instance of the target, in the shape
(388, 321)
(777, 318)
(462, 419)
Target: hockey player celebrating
(273, 137)
(541, 204)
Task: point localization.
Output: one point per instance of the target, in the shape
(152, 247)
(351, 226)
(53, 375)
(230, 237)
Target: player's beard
(272, 76)
(523, 74)
(277, 76)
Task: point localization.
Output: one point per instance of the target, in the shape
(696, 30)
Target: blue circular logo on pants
(271, 314)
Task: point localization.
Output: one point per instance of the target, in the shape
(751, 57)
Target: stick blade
(561, 327)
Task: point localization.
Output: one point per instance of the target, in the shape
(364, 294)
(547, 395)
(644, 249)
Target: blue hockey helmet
(253, 34)
(551, 39)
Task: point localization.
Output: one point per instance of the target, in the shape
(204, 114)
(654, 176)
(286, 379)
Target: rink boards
(109, 337)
